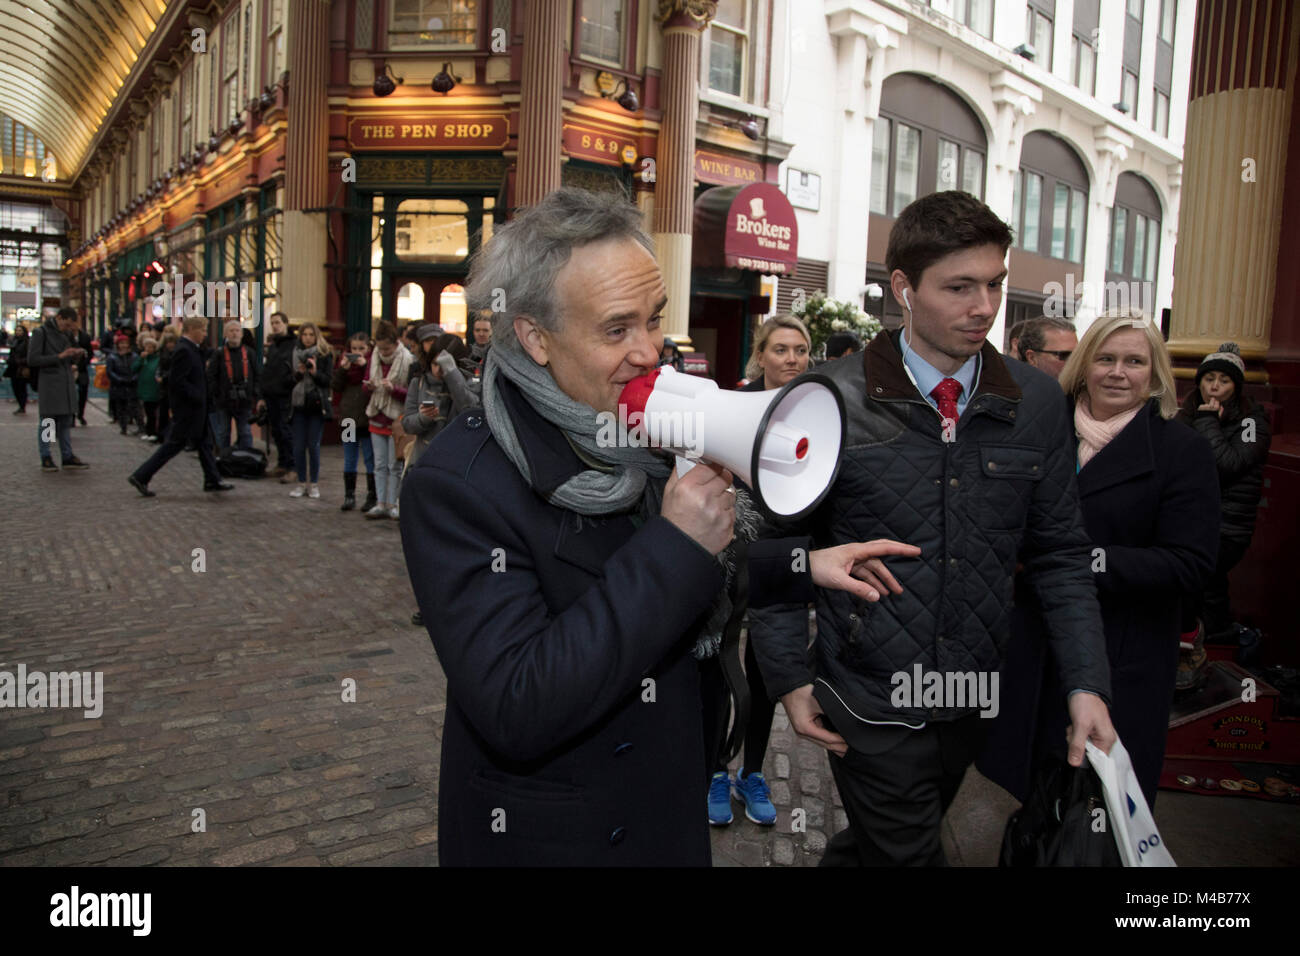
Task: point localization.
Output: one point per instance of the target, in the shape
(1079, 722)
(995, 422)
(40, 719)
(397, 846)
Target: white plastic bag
(1130, 818)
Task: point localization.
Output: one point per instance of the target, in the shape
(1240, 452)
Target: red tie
(945, 393)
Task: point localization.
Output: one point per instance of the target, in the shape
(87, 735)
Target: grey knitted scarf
(624, 479)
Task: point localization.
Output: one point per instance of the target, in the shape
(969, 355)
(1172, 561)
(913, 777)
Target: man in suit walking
(188, 394)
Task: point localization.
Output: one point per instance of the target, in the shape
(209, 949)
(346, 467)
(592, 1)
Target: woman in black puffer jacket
(1238, 431)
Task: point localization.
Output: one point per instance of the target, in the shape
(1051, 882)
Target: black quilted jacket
(1003, 492)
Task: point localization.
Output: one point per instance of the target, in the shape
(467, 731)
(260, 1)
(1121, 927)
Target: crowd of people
(975, 495)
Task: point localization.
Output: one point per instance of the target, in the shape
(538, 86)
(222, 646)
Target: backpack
(242, 463)
(1058, 824)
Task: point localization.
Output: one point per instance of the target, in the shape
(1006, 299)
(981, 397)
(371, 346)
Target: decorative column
(1234, 176)
(683, 21)
(1014, 99)
(860, 44)
(1111, 145)
(541, 105)
(302, 275)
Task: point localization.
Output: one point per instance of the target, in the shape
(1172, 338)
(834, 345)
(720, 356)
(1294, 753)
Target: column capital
(1112, 145)
(691, 14)
(882, 27)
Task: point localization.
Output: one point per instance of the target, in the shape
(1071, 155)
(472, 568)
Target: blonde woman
(310, 403)
(1150, 500)
(782, 348)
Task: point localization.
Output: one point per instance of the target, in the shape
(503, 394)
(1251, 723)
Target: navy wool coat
(1150, 503)
(187, 391)
(573, 733)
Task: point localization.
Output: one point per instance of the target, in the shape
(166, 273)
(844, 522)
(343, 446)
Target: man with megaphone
(952, 448)
(566, 580)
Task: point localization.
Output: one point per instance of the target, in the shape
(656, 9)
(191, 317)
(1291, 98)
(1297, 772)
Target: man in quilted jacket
(966, 454)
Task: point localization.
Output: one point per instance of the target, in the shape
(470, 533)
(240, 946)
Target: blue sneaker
(720, 799)
(758, 801)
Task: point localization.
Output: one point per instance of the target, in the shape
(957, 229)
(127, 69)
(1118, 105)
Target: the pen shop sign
(427, 132)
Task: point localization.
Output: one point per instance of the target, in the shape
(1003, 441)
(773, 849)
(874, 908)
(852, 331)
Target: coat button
(1011, 414)
(952, 562)
(616, 837)
(622, 749)
(953, 482)
(473, 421)
(879, 389)
(993, 466)
(1033, 467)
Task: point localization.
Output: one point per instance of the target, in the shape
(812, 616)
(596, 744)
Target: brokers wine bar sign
(428, 132)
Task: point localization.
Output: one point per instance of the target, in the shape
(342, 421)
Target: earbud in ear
(907, 301)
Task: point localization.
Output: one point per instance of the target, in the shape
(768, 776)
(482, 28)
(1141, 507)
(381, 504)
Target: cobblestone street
(223, 689)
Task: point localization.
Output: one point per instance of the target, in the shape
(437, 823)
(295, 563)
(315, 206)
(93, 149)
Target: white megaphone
(784, 444)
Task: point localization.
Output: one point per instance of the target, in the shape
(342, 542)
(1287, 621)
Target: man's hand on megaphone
(803, 710)
(702, 505)
(857, 567)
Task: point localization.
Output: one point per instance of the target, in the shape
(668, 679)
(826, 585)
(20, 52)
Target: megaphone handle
(683, 466)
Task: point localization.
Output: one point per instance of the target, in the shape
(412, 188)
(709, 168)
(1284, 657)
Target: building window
(273, 60)
(229, 70)
(1118, 237)
(1084, 66)
(1029, 188)
(187, 108)
(1129, 93)
(432, 230)
(1050, 199)
(726, 48)
(880, 140)
(1168, 9)
(907, 166)
(912, 157)
(976, 14)
(1038, 32)
(245, 73)
(439, 24)
(1160, 121)
(1135, 9)
(601, 30)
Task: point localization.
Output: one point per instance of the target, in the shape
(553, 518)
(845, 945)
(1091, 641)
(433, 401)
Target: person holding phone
(53, 358)
(310, 400)
(439, 391)
(349, 374)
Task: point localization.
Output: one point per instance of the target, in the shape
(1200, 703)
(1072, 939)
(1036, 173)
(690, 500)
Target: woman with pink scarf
(1150, 498)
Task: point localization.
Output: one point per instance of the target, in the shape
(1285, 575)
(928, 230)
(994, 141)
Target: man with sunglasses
(1046, 344)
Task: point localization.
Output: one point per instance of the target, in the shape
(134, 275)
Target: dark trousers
(150, 418)
(307, 431)
(1214, 605)
(278, 409)
(173, 446)
(895, 800)
(20, 391)
(164, 413)
(83, 391)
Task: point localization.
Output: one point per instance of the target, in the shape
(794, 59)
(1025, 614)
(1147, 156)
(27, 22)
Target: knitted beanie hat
(1226, 360)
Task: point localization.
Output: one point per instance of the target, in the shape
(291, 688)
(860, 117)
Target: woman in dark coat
(1150, 501)
(1239, 434)
(16, 369)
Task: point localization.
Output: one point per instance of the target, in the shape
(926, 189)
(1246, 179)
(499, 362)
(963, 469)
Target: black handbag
(1059, 824)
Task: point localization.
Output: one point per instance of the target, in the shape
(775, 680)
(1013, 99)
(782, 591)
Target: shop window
(376, 258)
(726, 50)
(410, 303)
(432, 230)
(452, 311)
(1118, 237)
(602, 30)
(435, 24)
